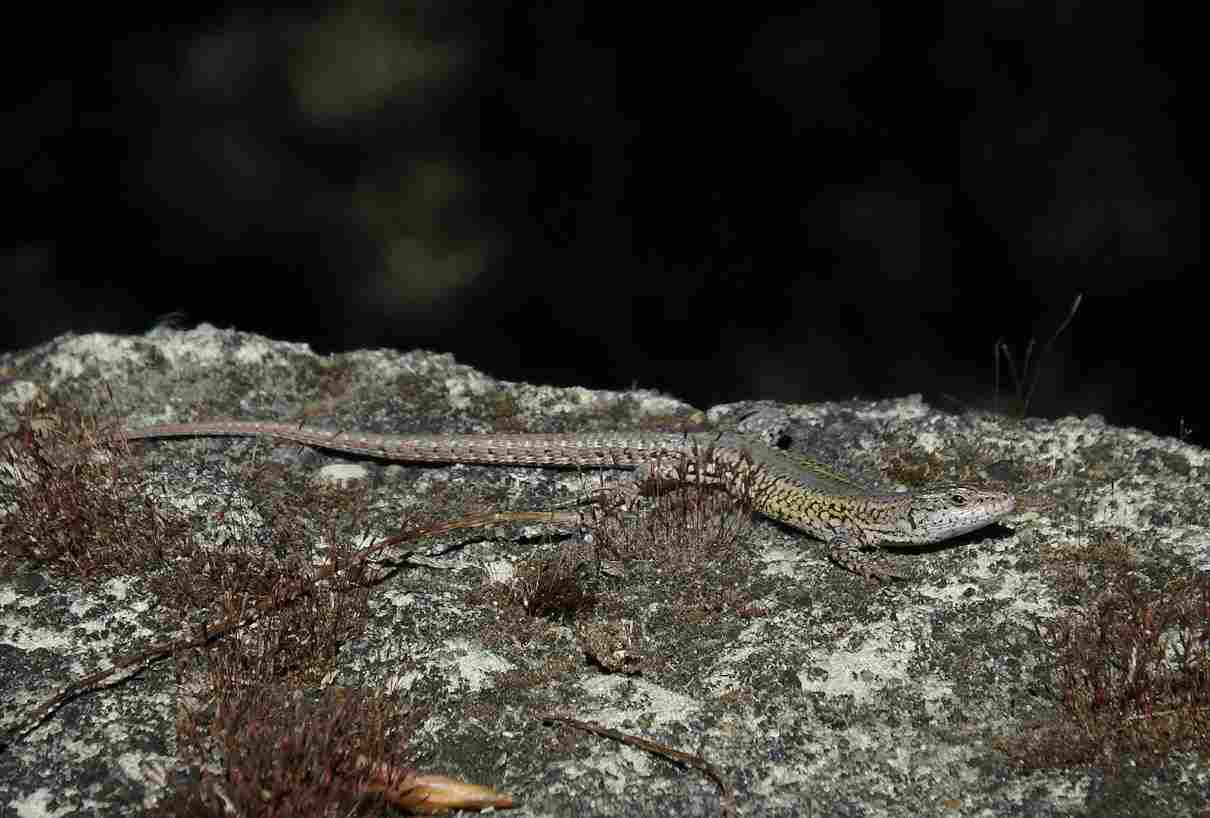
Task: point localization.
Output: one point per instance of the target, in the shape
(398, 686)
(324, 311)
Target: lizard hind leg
(604, 496)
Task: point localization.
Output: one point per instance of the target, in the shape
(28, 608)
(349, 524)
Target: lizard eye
(958, 499)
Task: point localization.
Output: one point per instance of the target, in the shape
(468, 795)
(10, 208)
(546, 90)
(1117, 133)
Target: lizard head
(940, 512)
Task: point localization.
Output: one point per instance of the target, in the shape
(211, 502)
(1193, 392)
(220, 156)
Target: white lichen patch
(464, 390)
(37, 804)
(785, 562)
(910, 407)
(341, 474)
(860, 673)
(471, 664)
(624, 698)
(102, 612)
(71, 358)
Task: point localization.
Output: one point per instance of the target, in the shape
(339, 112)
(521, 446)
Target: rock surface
(809, 689)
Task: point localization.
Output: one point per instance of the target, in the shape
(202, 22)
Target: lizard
(789, 488)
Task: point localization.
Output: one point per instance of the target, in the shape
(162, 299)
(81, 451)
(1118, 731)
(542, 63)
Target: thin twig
(726, 794)
(1071, 314)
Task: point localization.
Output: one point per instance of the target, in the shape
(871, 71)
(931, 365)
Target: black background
(722, 204)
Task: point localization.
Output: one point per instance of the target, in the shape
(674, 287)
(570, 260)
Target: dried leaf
(427, 794)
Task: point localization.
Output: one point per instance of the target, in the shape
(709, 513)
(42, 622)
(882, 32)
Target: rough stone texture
(813, 691)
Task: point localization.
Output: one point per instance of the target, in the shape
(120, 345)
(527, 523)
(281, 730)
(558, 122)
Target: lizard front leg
(849, 553)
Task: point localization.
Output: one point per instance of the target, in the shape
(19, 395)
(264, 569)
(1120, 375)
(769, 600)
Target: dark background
(846, 200)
